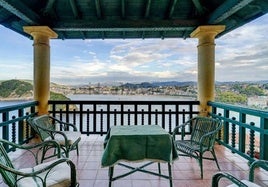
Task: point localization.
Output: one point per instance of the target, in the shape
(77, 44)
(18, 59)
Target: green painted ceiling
(105, 19)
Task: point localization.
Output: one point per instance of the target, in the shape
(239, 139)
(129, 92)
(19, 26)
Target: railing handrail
(240, 109)
(17, 106)
(236, 130)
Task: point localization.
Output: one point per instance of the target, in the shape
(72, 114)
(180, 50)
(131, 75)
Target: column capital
(205, 30)
(40, 30)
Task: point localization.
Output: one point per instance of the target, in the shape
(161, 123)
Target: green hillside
(19, 89)
(15, 89)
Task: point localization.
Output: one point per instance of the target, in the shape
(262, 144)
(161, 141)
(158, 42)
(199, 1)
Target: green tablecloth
(137, 143)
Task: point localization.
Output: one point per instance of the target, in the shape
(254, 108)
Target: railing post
(226, 126)
(5, 132)
(264, 139)
(242, 132)
(21, 129)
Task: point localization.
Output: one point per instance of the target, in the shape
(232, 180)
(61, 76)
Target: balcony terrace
(244, 136)
(244, 133)
(185, 171)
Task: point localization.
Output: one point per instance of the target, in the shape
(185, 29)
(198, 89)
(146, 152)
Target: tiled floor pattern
(185, 171)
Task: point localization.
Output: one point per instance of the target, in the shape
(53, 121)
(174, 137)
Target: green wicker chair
(59, 172)
(50, 128)
(237, 182)
(202, 133)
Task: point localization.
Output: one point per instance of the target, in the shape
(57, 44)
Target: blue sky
(241, 55)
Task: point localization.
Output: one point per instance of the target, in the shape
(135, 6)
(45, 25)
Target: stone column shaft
(206, 64)
(41, 83)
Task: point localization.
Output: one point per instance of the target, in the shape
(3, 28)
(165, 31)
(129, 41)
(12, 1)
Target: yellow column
(206, 64)
(41, 36)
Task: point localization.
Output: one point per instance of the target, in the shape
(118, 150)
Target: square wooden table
(138, 143)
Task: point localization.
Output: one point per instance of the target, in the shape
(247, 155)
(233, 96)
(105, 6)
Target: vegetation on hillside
(231, 97)
(249, 90)
(18, 89)
(238, 93)
(15, 88)
(58, 96)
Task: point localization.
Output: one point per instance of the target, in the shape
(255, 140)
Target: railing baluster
(156, 117)
(233, 133)
(74, 117)
(13, 132)
(149, 114)
(115, 117)
(101, 122)
(88, 122)
(142, 117)
(170, 121)
(128, 117)
(251, 141)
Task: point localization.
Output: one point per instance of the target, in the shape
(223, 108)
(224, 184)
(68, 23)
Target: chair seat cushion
(72, 137)
(248, 183)
(59, 176)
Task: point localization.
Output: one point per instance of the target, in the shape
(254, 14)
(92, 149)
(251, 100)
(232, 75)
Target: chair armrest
(182, 127)
(32, 148)
(258, 163)
(46, 167)
(65, 125)
(217, 176)
(53, 133)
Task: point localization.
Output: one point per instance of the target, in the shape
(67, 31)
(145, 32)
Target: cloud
(240, 55)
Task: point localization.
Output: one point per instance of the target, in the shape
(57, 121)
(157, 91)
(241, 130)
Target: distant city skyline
(241, 55)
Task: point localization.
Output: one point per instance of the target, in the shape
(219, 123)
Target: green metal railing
(96, 117)
(245, 131)
(13, 126)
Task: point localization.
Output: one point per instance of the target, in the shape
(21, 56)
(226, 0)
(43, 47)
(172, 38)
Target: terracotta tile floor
(185, 171)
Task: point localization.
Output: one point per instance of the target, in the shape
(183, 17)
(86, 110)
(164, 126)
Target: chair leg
(201, 164)
(159, 168)
(77, 151)
(215, 158)
(111, 172)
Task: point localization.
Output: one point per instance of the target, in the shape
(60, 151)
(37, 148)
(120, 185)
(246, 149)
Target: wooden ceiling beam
(49, 7)
(227, 9)
(123, 9)
(200, 9)
(171, 9)
(128, 25)
(20, 10)
(74, 9)
(98, 9)
(148, 8)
